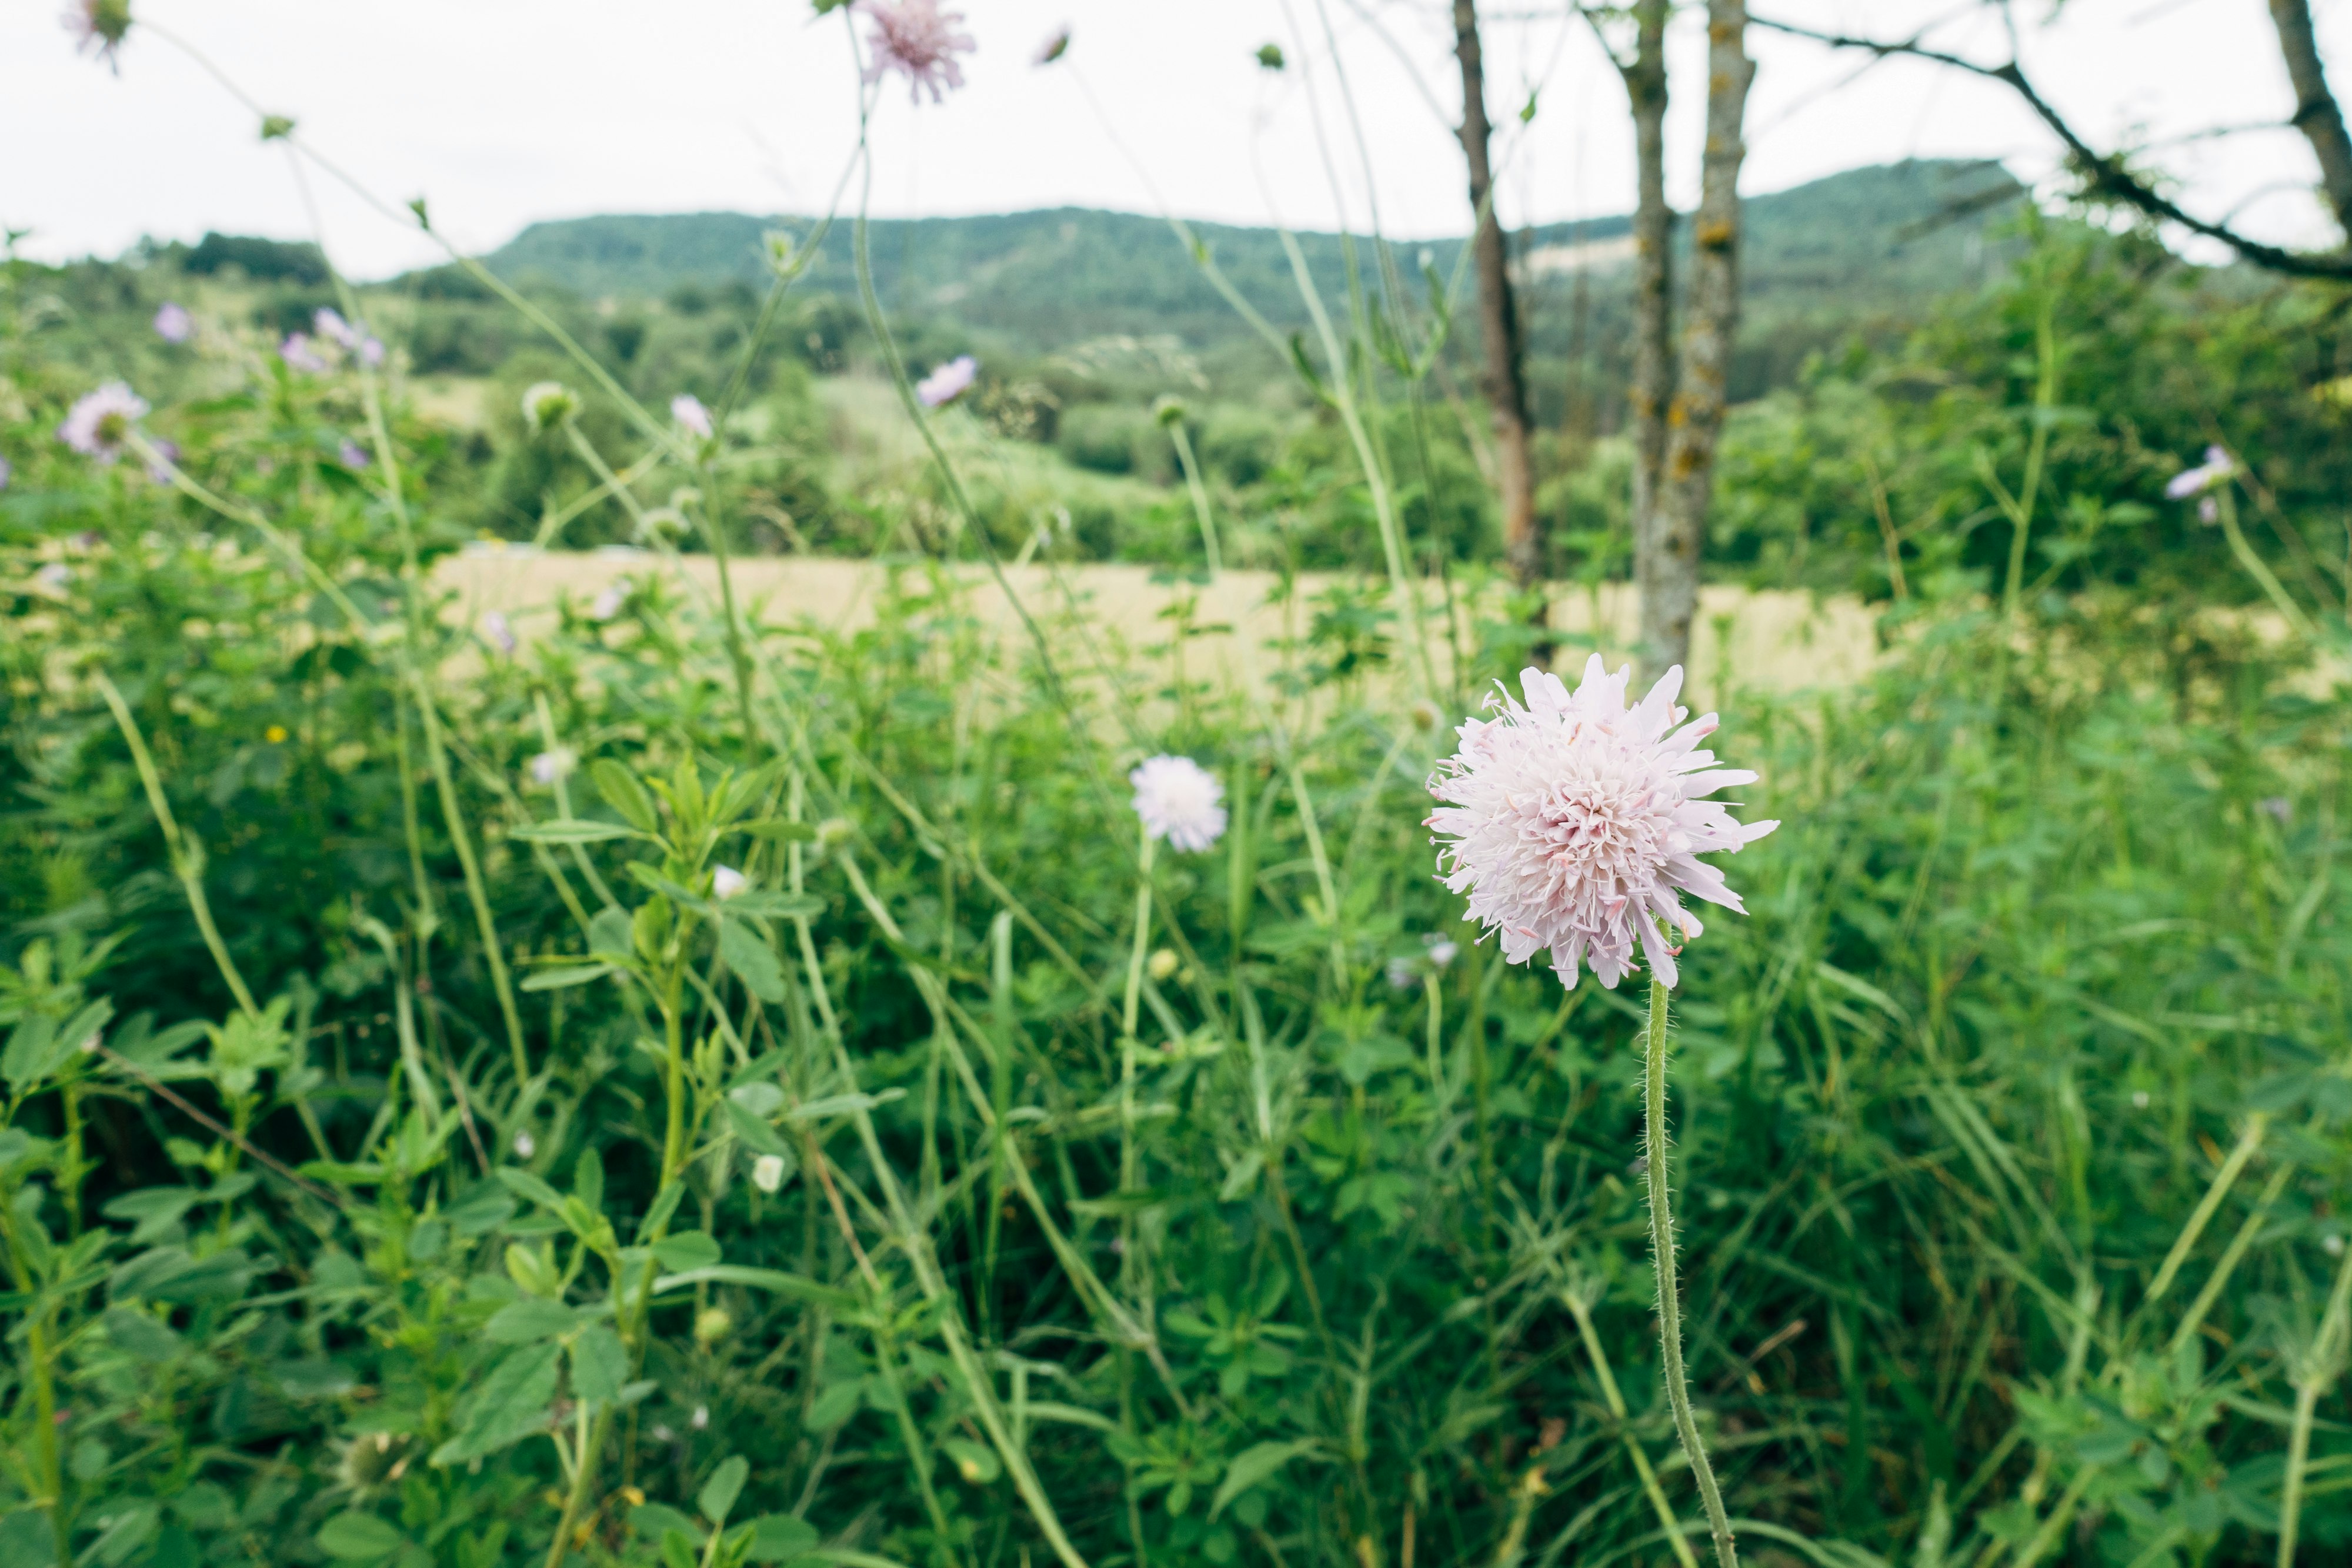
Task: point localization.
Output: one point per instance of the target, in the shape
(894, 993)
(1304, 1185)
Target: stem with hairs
(1662, 1250)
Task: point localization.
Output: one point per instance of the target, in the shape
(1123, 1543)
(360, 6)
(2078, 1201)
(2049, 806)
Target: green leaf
(359, 1538)
(654, 1519)
(572, 831)
(600, 1366)
(778, 829)
(688, 1249)
(843, 1104)
(480, 1212)
(799, 1286)
(510, 1406)
(752, 960)
(569, 975)
(155, 1209)
(31, 1054)
(529, 1322)
(755, 1133)
(771, 905)
(610, 932)
(524, 1184)
(588, 1180)
(779, 1538)
(140, 1337)
(1253, 1465)
(624, 795)
(718, 1493)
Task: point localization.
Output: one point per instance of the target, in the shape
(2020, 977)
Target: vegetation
(682, 1089)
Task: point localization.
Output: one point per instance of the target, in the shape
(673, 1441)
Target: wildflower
(1442, 950)
(96, 425)
(330, 324)
(1402, 974)
(726, 882)
(97, 26)
(1056, 45)
(525, 1145)
(1161, 965)
(2279, 809)
(500, 635)
(274, 734)
(768, 1172)
(299, 353)
(54, 577)
(371, 351)
(353, 456)
(701, 1417)
(551, 767)
(915, 37)
(2139, 1100)
(608, 602)
(2333, 1245)
(546, 403)
(2208, 511)
(687, 410)
(2216, 469)
(173, 323)
(1575, 823)
(710, 1325)
(162, 461)
(1177, 798)
(947, 382)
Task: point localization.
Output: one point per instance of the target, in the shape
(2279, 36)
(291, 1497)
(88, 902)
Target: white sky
(504, 112)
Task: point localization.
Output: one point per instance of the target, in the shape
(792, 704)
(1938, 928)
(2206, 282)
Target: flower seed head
(1575, 824)
(98, 424)
(1178, 800)
(918, 39)
(546, 404)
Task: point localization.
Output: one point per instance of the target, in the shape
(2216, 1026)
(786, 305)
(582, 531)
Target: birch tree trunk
(2316, 113)
(1653, 365)
(1505, 380)
(1695, 418)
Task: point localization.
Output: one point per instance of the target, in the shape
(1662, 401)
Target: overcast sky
(504, 112)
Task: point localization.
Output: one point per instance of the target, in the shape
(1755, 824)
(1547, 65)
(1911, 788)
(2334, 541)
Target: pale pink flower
(353, 456)
(917, 38)
(98, 424)
(726, 882)
(2216, 469)
(1178, 800)
(498, 633)
(1574, 824)
(300, 353)
(688, 411)
(371, 351)
(173, 323)
(330, 324)
(947, 382)
(609, 602)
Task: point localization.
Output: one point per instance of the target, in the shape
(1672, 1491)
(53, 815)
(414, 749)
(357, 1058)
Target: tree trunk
(1653, 365)
(2317, 115)
(1695, 420)
(1504, 382)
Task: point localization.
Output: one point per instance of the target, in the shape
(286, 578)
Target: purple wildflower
(918, 40)
(2215, 469)
(687, 410)
(95, 425)
(97, 26)
(947, 382)
(173, 323)
(353, 456)
(300, 353)
(330, 324)
(2280, 809)
(500, 635)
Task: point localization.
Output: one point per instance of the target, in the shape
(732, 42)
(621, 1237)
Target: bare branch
(2107, 174)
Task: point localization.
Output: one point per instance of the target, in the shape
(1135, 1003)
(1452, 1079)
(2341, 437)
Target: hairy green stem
(1662, 1250)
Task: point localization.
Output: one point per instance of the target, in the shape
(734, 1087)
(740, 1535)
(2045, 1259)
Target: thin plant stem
(1129, 1156)
(1662, 1251)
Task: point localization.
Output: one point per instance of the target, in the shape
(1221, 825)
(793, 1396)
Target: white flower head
(2217, 468)
(1178, 800)
(551, 767)
(173, 323)
(768, 1172)
(98, 424)
(1442, 950)
(525, 1145)
(608, 602)
(1575, 824)
(687, 410)
(726, 882)
(499, 634)
(918, 40)
(54, 576)
(701, 1417)
(947, 382)
(547, 402)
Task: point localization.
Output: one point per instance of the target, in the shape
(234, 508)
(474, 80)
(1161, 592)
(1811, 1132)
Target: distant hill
(1870, 240)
